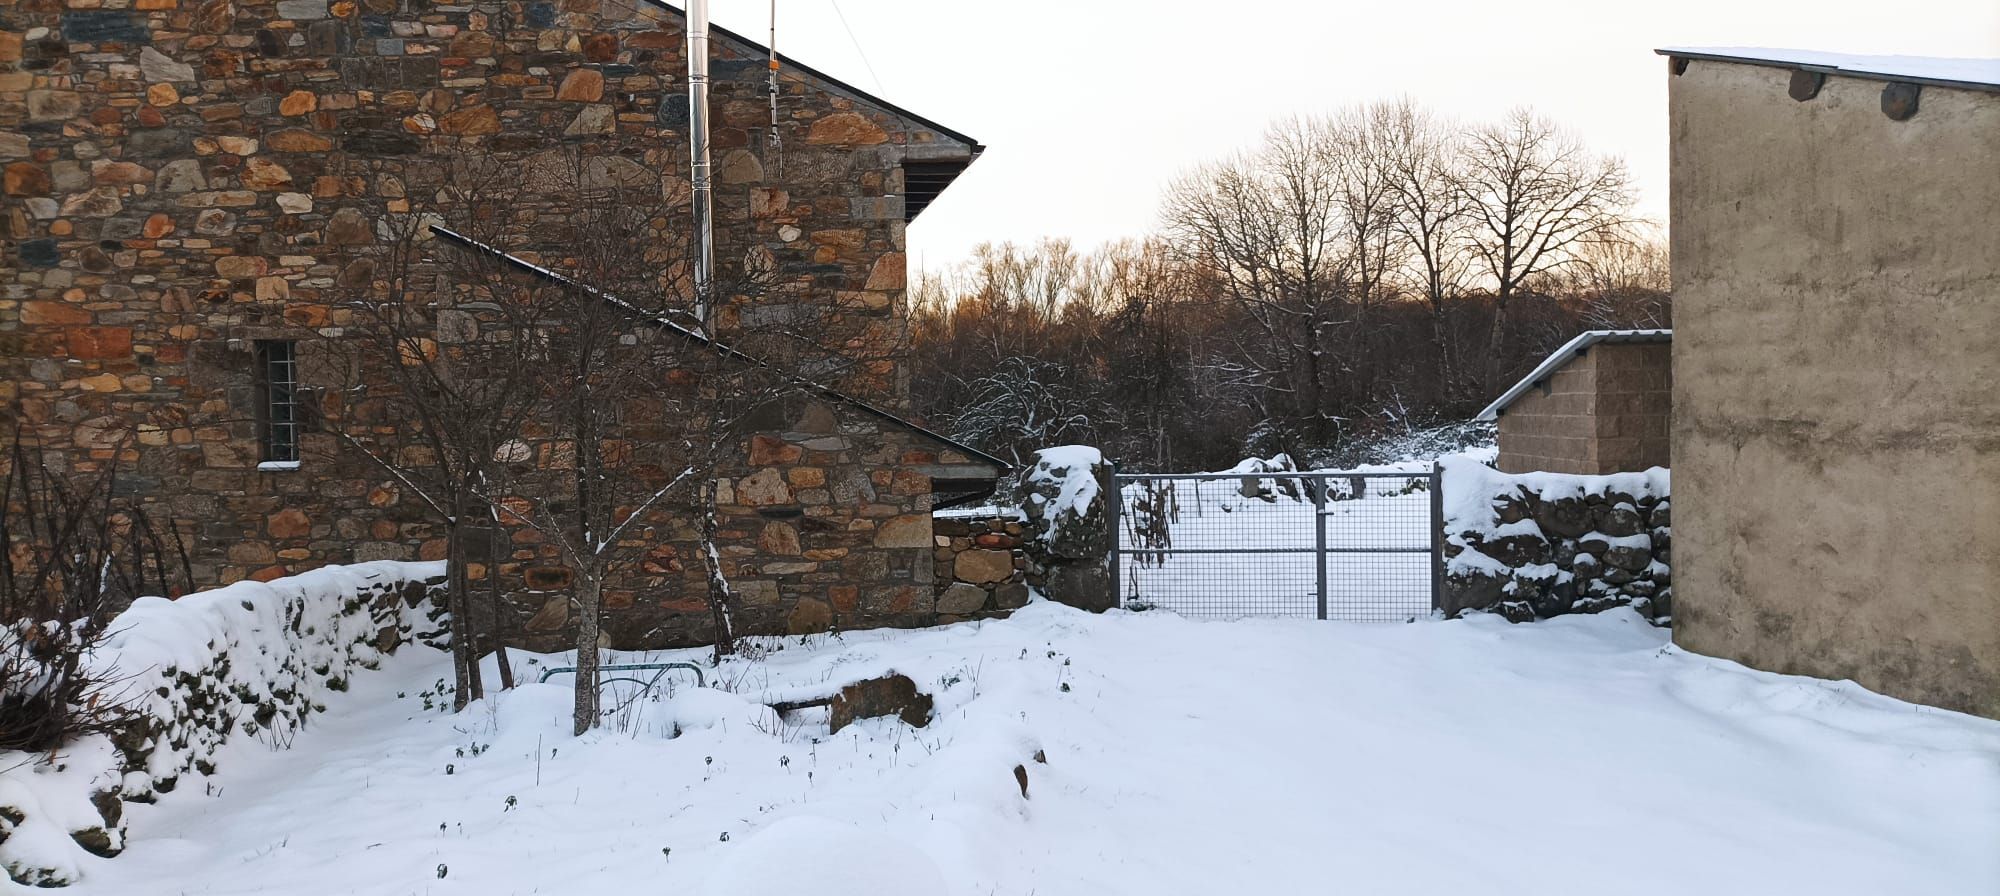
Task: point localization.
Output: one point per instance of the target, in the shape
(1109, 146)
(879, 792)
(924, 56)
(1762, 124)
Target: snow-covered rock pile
(1062, 498)
(251, 659)
(1536, 545)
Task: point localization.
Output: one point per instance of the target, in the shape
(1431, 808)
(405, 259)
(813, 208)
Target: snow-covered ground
(1577, 756)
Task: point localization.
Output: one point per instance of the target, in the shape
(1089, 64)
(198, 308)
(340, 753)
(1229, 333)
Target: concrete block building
(1836, 434)
(1602, 403)
(187, 186)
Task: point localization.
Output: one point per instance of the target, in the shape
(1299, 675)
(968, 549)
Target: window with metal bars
(279, 413)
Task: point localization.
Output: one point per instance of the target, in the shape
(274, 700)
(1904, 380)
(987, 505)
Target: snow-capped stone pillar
(1069, 542)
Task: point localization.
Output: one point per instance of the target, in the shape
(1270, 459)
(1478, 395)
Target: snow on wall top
(1470, 488)
(1965, 71)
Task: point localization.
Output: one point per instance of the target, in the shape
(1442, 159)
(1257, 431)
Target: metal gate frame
(1317, 480)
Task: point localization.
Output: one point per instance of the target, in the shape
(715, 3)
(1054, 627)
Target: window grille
(279, 417)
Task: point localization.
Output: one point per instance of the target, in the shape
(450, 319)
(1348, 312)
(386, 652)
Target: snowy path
(1575, 756)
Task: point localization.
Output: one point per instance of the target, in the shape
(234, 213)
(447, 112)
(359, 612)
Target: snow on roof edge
(1562, 356)
(1969, 72)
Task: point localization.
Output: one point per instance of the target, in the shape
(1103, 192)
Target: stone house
(1836, 264)
(1602, 403)
(186, 183)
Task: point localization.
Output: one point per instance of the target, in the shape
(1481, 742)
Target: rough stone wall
(250, 660)
(981, 570)
(826, 525)
(1836, 292)
(1532, 546)
(184, 178)
(1608, 411)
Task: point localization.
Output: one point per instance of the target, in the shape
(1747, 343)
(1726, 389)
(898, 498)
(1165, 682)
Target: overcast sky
(1088, 107)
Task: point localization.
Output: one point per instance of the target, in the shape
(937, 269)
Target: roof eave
(1826, 69)
(886, 106)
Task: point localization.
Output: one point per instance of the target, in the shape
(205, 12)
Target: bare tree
(1421, 157)
(642, 410)
(1267, 228)
(434, 373)
(1536, 197)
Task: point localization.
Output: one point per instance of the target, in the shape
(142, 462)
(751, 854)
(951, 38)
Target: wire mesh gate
(1327, 545)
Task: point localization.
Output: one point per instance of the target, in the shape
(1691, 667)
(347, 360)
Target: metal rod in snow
(704, 223)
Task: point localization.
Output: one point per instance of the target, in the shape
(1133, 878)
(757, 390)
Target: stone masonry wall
(826, 525)
(184, 177)
(980, 568)
(1607, 411)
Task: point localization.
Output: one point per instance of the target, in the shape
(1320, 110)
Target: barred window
(278, 409)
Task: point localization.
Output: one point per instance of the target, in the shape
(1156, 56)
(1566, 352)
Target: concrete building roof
(1968, 74)
(1561, 356)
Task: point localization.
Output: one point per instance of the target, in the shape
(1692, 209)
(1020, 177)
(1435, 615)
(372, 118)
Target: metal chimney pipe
(704, 214)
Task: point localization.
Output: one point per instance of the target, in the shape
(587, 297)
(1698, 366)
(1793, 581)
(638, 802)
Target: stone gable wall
(183, 177)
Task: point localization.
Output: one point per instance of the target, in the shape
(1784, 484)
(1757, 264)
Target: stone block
(961, 598)
(302, 9)
(912, 530)
(890, 695)
(982, 567)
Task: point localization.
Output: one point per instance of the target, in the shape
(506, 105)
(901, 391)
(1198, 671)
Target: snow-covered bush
(251, 659)
(1536, 545)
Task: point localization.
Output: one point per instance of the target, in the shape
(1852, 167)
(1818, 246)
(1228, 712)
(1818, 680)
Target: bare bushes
(75, 552)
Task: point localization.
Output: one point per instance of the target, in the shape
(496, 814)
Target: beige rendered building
(1836, 433)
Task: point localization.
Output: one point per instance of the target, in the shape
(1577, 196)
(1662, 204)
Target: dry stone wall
(1053, 537)
(248, 660)
(1535, 545)
(980, 568)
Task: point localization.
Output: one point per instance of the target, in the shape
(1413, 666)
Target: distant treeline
(1354, 279)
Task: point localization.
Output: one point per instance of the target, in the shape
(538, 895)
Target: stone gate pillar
(1065, 496)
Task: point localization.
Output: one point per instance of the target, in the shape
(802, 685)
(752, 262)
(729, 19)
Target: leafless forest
(1354, 281)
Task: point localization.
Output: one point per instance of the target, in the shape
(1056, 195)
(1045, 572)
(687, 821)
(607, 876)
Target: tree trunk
(499, 543)
(1496, 343)
(1440, 339)
(718, 584)
(589, 596)
(464, 649)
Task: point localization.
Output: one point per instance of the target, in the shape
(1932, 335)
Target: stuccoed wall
(1836, 296)
(247, 660)
(1534, 545)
